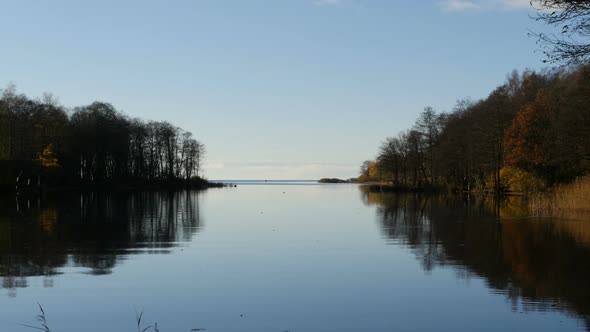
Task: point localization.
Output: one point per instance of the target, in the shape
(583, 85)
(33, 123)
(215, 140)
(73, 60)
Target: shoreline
(164, 185)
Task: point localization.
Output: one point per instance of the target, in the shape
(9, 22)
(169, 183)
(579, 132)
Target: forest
(43, 144)
(530, 133)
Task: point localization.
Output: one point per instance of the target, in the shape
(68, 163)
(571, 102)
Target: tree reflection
(92, 230)
(539, 264)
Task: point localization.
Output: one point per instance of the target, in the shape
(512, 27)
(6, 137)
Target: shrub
(519, 181)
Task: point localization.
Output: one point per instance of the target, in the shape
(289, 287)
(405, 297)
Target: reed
(566, 200)
(42, 321)
(138, 317)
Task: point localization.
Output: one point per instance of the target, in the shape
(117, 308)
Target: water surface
(288, 256)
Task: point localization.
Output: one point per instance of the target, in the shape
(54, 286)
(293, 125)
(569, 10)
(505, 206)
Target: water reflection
(93, 231)
(538, 264)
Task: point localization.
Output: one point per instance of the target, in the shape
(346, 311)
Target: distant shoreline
(334, 180)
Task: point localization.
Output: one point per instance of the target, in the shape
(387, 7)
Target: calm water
(290, 257)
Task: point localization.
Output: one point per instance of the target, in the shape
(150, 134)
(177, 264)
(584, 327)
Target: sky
(275, 89)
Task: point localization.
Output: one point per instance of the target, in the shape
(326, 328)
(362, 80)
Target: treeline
(93, 144)
(531, 132)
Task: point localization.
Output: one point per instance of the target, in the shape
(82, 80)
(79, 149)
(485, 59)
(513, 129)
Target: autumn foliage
(527, 138)
(48, 158)
(532, 132)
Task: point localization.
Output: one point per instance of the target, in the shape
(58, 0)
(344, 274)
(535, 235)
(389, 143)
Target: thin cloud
(480, 5)
(458, 5)
(326, 2)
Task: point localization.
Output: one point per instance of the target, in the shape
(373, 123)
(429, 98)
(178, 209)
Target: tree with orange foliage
(47, 158)
(526, 140)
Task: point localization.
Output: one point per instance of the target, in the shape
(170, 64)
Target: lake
(290, 257)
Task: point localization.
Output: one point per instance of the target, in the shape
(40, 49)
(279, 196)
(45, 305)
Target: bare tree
(572, 17)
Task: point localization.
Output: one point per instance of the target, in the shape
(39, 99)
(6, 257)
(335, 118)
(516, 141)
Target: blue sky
(276, 89)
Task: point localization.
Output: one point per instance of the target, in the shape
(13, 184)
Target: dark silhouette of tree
(429, 125)
(391, 156)
(95, 144)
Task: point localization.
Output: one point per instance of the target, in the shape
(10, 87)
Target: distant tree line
(93, 144)
(532, 131)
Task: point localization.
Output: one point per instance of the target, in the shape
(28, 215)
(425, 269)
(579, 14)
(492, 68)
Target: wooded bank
(45, 145)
